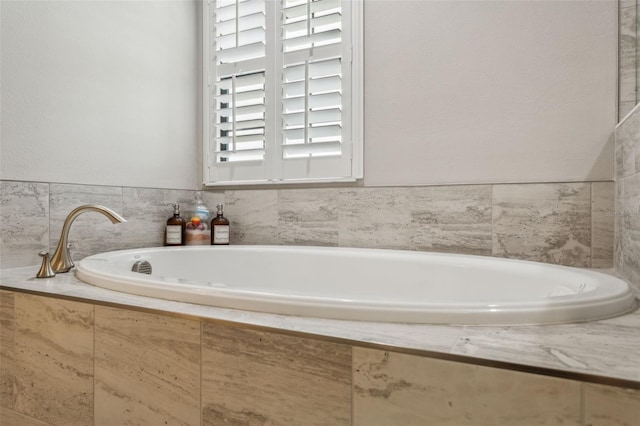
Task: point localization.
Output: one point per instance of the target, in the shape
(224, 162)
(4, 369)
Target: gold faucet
(61, 259)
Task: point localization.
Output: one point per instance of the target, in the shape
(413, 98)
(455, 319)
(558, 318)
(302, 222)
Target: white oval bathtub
(365, 284)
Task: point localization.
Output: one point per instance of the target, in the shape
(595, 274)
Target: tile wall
(628, 56)
(627, 211)
(563, 223)
(68, 363)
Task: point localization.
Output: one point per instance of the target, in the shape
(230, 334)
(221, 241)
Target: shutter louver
(239, 90)
(311, 79)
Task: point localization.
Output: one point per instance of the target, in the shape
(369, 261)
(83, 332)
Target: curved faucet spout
(61, 259)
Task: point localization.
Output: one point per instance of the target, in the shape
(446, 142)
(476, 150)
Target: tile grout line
(592, 233)
(353, 385)
(201, 369)
(93, 420)
(494, 231)
(583, 408)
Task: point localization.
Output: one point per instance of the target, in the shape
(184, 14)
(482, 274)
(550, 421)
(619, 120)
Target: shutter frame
(284, 159)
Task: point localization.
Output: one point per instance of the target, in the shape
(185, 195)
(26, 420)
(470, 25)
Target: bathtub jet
(365, 284)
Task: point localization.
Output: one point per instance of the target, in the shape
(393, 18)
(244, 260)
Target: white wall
(100, 92)
(489, 91)
(106, 92)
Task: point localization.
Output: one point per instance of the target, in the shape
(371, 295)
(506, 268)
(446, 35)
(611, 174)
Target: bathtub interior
(365, 284)
(382, 275)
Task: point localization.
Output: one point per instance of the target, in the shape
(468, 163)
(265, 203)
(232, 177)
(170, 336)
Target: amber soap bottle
(219, 228)
(174, 235)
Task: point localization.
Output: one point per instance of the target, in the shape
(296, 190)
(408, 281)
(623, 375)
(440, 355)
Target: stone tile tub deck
(76, 354)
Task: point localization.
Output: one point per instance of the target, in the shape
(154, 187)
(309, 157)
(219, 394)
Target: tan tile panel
(53, 379)
(611, 406)
(399, 389)
(7, 348)
(11, 418)
(147, 369)
(254, 378)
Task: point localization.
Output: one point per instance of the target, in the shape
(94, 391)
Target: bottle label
(221, 234)
(174, 234)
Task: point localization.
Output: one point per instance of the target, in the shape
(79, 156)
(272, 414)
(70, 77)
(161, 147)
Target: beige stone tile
(625, 108)
(627, 3)
(451, 219)
(147, 369)
(91, 232)
(374, 218)
(619, 224)
(572, 346)
(53, 376)
(543, 222)
(399, 389)
(627, 27)
(308, 216)
(11, 418)
(630, 229)
(627, 147)
(211, 199)
(602, 224)
(24, 223)
(147, 211)
(259, 378)
(611, 406)
(253, 216)
(7, 348)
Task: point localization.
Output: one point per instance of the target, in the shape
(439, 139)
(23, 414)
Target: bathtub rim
(518, 313)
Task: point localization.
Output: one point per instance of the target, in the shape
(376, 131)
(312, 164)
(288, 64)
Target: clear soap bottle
(174, 235)
(197, 228)
(219, 228)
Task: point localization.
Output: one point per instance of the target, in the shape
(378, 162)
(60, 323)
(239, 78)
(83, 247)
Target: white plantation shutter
(280, 93)
(237, 119)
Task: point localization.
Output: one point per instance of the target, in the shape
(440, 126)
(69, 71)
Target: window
(283, 96)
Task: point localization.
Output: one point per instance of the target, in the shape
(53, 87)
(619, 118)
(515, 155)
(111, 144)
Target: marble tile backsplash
(627, 203)
(452, 219)
(90, 231)
(543, 222)
(602, 224)
(628, 53)
(24, 222)
(562, 223)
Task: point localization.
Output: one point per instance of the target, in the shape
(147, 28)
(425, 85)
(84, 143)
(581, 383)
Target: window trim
(357, 106)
